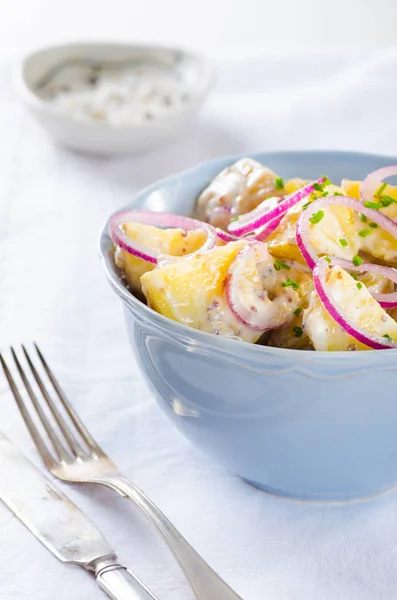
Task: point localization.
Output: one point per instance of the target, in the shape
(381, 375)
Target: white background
(208, 25)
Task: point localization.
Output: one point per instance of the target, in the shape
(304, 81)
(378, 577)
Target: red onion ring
(338, 314)
(270, 209)
(385, 300)
(374, 180)
(236, 272)
(225, 236)
(158, 219)
(265, 207)
(302, 226)
(254, 309)
(264, 232)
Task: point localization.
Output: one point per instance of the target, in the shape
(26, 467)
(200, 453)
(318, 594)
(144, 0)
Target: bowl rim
(33, 100)
(225, 344)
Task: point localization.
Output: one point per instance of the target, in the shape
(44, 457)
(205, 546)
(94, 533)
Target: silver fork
(75, 457)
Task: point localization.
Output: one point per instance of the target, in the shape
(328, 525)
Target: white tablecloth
(52, 289)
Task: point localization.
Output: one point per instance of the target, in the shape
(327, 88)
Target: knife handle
(120, 584)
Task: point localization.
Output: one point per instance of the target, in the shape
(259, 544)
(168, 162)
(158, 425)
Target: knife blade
(61, 526)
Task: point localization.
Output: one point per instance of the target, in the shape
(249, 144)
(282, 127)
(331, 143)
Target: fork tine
(81, 428)
(34, 432)
(74, 445)
(56, 442)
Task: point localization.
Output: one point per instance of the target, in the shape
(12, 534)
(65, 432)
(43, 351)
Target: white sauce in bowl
(125, 95)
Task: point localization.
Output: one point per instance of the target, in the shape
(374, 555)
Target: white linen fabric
(52, 290)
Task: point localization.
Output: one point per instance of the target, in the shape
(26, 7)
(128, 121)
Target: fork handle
(205, 583)
(120, 584)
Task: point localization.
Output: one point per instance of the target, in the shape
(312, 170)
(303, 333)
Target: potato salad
(289, 263)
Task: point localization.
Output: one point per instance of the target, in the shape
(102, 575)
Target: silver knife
(61, 526)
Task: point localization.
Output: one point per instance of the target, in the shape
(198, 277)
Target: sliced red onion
(302, 226)
(265, 207)
(253, 308)
(385, 300)
(158, 219)
(270, 209)
(338, 314)
(371, 184)
(225, 236)
(248, 315)
(264, 232)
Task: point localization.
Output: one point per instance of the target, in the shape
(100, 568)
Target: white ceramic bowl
(100, 137)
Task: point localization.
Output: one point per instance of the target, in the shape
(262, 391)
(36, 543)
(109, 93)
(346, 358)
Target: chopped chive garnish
(364, 232)
(363, 218)
(387, 336)
(316, 218)
(304, 206)
(318, 187)
(373, 225)
(327, 258)
(281, 265)
(290, 283)
(386, 201)
(343, 242)
(298, 331)
(327, 181)
(338, 194)
(324, 194)
(297, 311)
(354, 276)
(359, 285)
(357, 260)
(279, 183)
(375, 205)
(234, 219)
(380, 190)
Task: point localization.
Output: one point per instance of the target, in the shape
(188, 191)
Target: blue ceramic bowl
(302, 424)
